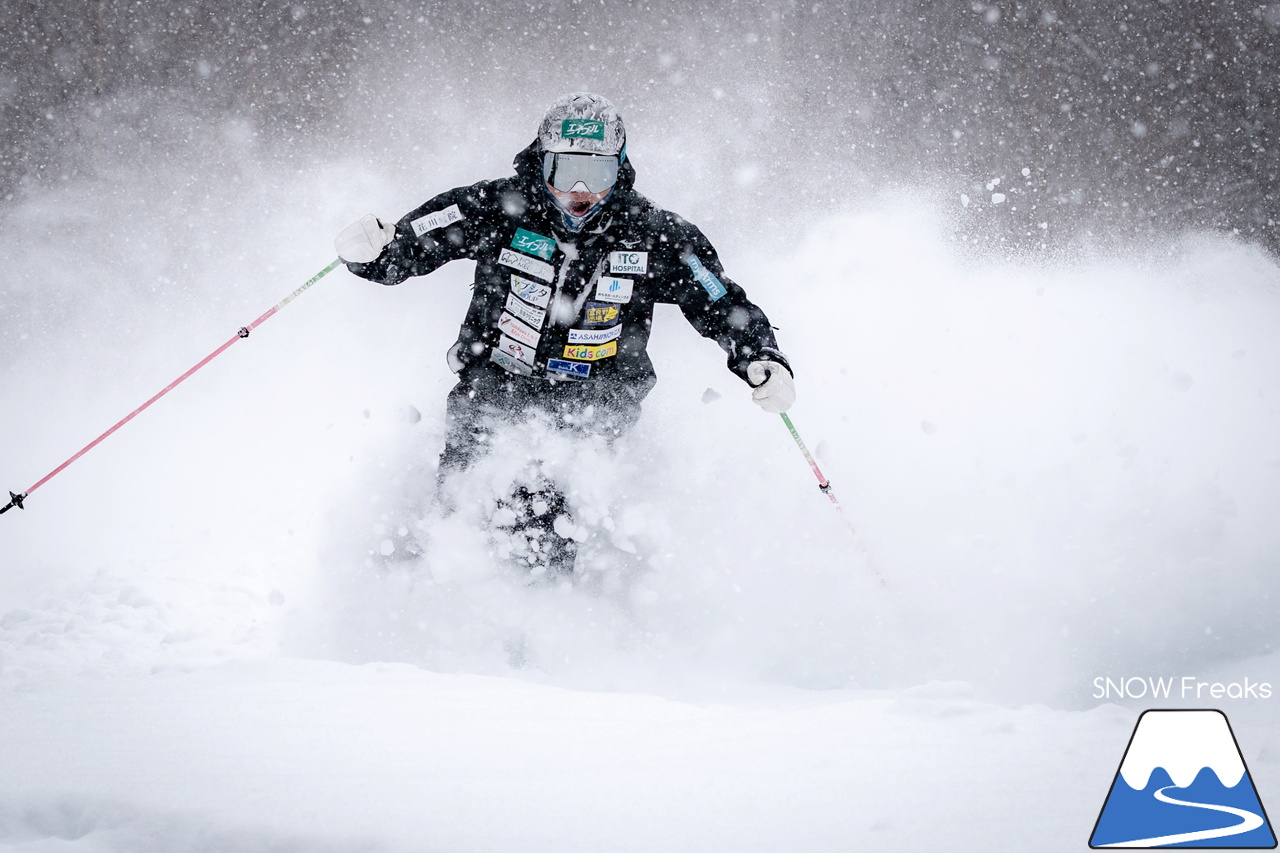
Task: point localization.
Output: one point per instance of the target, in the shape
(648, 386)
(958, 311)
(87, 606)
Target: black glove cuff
(771, 354)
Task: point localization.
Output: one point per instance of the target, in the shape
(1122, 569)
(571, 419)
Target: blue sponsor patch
(577, 369)
(706, 278)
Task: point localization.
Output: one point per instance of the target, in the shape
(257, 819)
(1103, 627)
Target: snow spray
(17, 499)
(825, 486)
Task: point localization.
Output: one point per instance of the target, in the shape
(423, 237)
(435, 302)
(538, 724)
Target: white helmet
(584, 123)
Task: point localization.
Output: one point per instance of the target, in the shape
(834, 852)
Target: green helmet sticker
(582, 128)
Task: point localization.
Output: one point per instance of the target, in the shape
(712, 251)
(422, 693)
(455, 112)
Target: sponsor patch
(533, 316)
(610, 289)
(706, 278)
(510, 364)
(526, 264)
(533, 244)
(582, 128)
(530, 291)
(517, 331)
(437, 219)
(579, 369)
(628, 263)
(600, 314)
(594, 336)
(591, 353)
(516, 350)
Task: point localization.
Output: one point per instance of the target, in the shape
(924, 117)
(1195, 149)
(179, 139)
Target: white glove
(775, 390)
(362, 242)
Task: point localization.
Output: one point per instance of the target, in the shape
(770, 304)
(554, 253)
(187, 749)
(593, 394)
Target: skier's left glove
(775, 390)
(362, 241)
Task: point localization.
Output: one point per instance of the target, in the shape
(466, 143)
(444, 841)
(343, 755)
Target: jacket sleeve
(716, 306)
(449, 227)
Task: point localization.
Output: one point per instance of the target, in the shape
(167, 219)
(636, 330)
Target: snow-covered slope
(305, 755)
(1063, 469)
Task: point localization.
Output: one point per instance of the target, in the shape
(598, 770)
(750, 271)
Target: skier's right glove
(775, 390)
(362, 242)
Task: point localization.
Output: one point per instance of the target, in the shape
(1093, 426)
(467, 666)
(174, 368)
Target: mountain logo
(1183, 783)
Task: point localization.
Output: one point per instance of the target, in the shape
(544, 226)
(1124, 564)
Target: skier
(570, 260)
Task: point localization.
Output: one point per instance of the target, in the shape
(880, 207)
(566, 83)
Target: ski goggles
(564, 171)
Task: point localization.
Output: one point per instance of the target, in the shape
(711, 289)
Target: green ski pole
(825, 486)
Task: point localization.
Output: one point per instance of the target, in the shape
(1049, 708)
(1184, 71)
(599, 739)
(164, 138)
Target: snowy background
(1018, 255)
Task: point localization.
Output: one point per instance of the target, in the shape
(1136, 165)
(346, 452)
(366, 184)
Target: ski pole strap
(243, 332)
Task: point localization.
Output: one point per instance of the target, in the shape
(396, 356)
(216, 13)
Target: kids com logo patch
(1183, 783)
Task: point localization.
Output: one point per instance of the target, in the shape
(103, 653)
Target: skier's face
(577, 200)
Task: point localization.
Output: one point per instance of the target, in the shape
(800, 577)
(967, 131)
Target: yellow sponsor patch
(582, 352)
(601, 315)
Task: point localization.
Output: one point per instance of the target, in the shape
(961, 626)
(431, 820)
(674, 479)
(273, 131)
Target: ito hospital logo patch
(1183, 783)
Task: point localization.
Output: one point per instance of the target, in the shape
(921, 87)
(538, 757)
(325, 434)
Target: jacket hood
(528, 165)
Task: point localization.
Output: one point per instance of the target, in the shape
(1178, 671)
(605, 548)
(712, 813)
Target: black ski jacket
(549, 304)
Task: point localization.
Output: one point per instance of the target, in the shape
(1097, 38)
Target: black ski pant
(487, 398)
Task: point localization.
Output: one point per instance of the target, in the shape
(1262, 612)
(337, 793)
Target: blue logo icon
(1183, 783)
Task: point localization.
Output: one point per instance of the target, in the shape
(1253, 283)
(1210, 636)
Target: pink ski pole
(17, 500)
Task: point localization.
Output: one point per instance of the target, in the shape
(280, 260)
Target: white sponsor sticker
(514, 329)
(613, 289)
(533, 316)
(515, 349)
(530, 291)
(437, 219)
(510, 364)
(594, 336)
(526, 264)
(629, 263)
